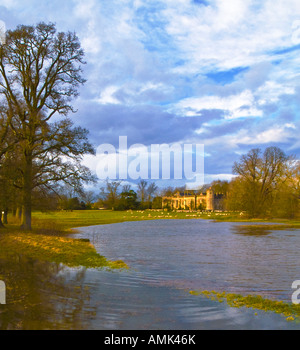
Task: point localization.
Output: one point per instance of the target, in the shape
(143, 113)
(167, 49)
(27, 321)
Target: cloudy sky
(223, 73)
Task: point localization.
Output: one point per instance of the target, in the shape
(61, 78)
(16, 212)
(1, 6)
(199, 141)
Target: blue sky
(220, 73)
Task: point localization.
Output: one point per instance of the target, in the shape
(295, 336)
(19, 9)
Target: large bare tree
(261, 174)
(40, 74)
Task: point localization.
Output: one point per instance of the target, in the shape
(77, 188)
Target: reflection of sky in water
(167, 259)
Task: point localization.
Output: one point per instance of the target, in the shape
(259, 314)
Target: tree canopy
(40, 73)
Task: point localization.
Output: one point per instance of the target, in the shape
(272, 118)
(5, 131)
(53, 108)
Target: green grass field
(67, 220)
(79, 218)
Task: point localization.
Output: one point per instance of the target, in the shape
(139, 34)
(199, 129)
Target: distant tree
(142, 190)
(40, 72)
(126, 188)
(151, 191)
(146, 192)
(220, 186)
(73, 204)
(180, 189)
(237, 199)
(220, 189)
(287, 200)
(157, 203)
(109, 194)
(45, 200)
(128, 200)
(261, 175)
(88, 197)
(293, 177)
(168, 191)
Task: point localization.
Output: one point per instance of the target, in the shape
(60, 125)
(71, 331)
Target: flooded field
(167, 259)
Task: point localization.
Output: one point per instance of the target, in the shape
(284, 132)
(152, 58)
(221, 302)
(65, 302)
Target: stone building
(192, 200)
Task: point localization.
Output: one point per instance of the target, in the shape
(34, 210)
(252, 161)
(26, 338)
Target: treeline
(113, 195)
(265, 184)
(117, 197)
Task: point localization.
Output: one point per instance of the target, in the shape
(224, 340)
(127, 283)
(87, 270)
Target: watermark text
(296, 294)
(2, 293)
(157, 161)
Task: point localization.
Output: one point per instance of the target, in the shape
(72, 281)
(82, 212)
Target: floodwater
(167, 259)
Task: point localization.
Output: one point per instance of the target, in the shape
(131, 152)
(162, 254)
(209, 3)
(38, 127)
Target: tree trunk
(19, 213)
(1, 224)
(26, 198)
(26, 214)
(5, 213)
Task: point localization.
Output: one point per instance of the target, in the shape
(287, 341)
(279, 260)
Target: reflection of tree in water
(250, 230)
(42, 295)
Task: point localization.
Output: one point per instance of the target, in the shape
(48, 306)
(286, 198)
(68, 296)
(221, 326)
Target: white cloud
(276, 134)
(271, 91)
(9, 3)
(232, 33)
(107, 96)
(234, 106)
(213, 177)
(86, 10)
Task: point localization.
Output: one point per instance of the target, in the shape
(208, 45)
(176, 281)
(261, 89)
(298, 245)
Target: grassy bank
(68, 251)
(49, 241)
(290, 311)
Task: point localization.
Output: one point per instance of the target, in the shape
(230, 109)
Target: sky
(224, 74)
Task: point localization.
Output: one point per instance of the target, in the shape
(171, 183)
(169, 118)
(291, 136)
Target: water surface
(167, 259)
(201, 254)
